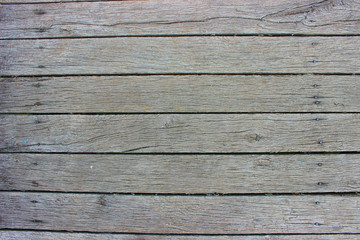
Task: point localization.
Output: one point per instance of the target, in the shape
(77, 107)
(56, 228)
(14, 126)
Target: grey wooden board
(191, 93)
(181, 214)
(180, 133)
(180, 173)
(179, 17)
(28, 235)
(155, 55)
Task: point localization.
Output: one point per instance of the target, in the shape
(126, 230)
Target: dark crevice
(188, 153)
(213, 194)
(187, 35)
(174, 234)
(66, 1)
(179, 74)
(171, 113)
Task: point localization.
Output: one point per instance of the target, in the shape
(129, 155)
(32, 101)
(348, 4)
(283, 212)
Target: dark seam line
(67, 1)
(170, 234)
(187, 153)
(187, 35)
(213, 194)
(169, 113)
(177, 74)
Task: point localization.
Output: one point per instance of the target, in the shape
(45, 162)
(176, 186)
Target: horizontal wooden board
(191, 93)
(180, 173)
(181, 214)
(180, 133)
(28, 235)
(156, 55)
(178, 17)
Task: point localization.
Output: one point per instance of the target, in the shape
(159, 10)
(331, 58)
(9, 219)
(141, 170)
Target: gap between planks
(50, 235)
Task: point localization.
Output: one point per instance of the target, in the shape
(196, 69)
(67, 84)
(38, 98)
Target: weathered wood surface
(178, 17)
(191, 93)
(180, 173)
(180, 55)
(6, 235)
(180, 133)
(181, 214)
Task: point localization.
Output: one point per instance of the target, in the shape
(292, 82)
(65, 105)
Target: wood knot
(37, 85)
(254, 138)
(102, 200)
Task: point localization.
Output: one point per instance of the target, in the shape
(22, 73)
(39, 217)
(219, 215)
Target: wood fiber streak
(180, 133)
(180, 55)
(181, 214)
(178, 17)
(193, 174)
(204, 93)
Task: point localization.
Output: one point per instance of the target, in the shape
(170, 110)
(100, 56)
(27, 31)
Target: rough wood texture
(180, 55)
(179, 17)
(181, 214)
(180, 173)
(6, 235)
(180, 133)
(204, 93)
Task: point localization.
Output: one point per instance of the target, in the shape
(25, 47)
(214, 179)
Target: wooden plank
(180, 133)
(193, 174)
(191, 93)
(178, 17)
(180, 55)
(28, 235)
(181, 214)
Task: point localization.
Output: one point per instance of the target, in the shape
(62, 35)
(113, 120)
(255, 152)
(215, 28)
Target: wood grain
(191, 93)
(178, 17)
(180, 133)
(28, 235)
(181, 214)
(156, 55)
(193, 174)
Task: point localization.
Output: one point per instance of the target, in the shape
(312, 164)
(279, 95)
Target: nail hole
(317, 202)
(319, 164)
(35, 183)
(39, 11)
(316, 102)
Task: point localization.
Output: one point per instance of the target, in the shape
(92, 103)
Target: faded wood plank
(180, 133)
(179, 17)
(6, 235)
(181, 214)
(180, 55)
(204, 93)
(180, 173)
